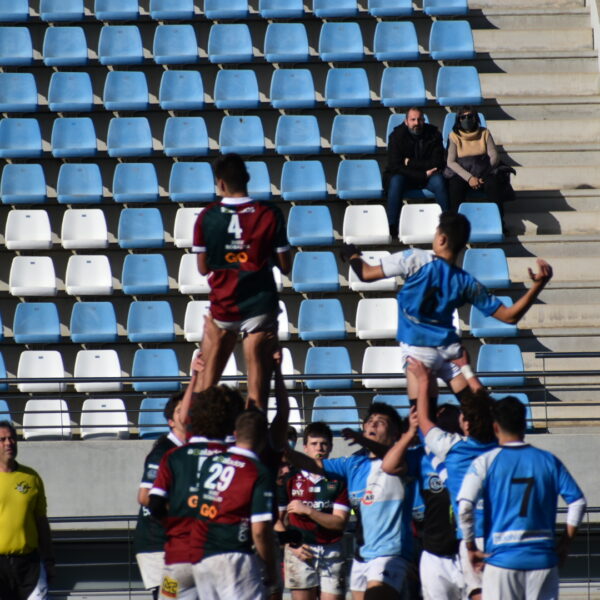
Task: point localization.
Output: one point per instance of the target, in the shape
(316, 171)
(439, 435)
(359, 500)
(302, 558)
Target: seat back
(458, 85)
(328, 360)
(84, 228)
(482, 326)
(151, 420)
(145, 274)
(193, 322)
(175, 45)
(353, 134)
(310, 226)
(286, 42)
(488, 265)
(259, 185)
(340, 41)
(347, 88)
(99, 365)
(402, 86)
(486, 224)
(16, 47)
(116, 10)
(395, 40)
(104, 418)
(337, 411)
(503, 358)
(297, 134)
(88, 275)
(135, 182)
(150, 321)
(70, 92)
(281, 9)
(236, 88)
(191, 182)
(20, 138)
(321, 319)
(120, 45)
(380, 360)
(377, 318)
(64, 47)
(303, 180)
(359, 180)
(79, 184)
(18, 92)
(61, 10)
(418, 223)
(292, 88)
(46, 420)
(157, 362)
(229, 43)
(181, 90)
(189, 279)
(315, 272)
(451, 40)
(125, 90)
(372, 257)
(93, 322)
(129, 136)
(32, 276)
(36, 323)
(243, 135)
(141, 228)
(28, 230)
(46, 364)
(366, 224)
(185, 136)
(73, 137)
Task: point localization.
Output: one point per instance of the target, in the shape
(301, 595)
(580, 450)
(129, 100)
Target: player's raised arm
(422, 375)
(394, 462)
(365, 272)
(302, 461)
(356, 437)
(279, 427)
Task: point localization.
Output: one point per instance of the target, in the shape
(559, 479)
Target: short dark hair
(447, 418)
(381, 408)
(476, 408)
(416, 108)
(251, 426)
(171, 405)
(317, 429)
(456, 228)
(232, 170)
(510, 415)
(466, 108)
(214, 412)
(10, 426)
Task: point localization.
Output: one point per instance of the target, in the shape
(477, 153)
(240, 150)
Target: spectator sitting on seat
(415, 161)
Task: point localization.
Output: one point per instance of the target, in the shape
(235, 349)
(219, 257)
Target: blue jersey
(520, 486)
(432, 290)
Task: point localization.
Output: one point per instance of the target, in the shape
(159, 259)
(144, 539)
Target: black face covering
(468, 123)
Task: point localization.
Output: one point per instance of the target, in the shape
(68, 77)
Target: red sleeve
(342, 498)
(198, 243)
(164, 478)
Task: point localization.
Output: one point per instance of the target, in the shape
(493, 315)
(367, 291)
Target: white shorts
(509, 584)
(473, 579)
(151, 565)
(326, 570)
(178, 582)
(387, 569)
(437, 359)
(265, 322)
(441, 577)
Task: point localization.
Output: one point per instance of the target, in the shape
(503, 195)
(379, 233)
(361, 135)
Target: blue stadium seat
(435, 8)
(16, 47)
(303, 180)
(181, 90)
(243, 135)
(297, 134)
(315, 272)
(3, 374)
(398, 401)
(338, 412)
(359, 179)
(236, 88)
(73, 137)
(158, 362)
(451, 40)
(175, 45)
(281, 9)
(61, 10)
(129, 136)
(125, 90)
(4, 410)
(486, 224)
(135, 182)
(151, 420)
(141, 228)
(324, 9)
(150, 321)
(185, 136)
(191, 182)
(395, 40)
(340, 42)
(79, 184)
(36, 323)
(64, 47)
(353, 134)
(310, 226)
(179, 10)
(20, 138)
(321, 319)
(18, 92)
(524, 400)
(230, 43)
(347, 88)
(502, 358)
(93, 323)
(145, 274)
(70, 92)
(14, 11)
(23, 184)
(390, 8)
(292, 88)
(286, 42)
(328, 361)
(116, 10)
(402, 86)
(458, 85)
(225, 9)
(450, 121)
(482, 326)
(488, 265)
(120, 45)
(259, 186)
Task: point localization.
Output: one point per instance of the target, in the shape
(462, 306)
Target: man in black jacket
(415, 161)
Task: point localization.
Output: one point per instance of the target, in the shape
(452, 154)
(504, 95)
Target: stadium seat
(104, 418)
(181, 90)
(150, 321)
(99, 365)
(372, 257)
(120, 45)
(229, 43)
(28, 230)
(281, 9)
(297, 134)
(88, 275)
(175, 45)
(46, 420)
(286, 42)
(486, 224)
(259, 186)
(83, 228)
(380, 360)
(451, 40)
(295, 418)
(79, 184)
(236, 88)
(73, 137)
(418, 223)
(292, 88)
(125, 90)
(145, 274)
(23, 184)
(242, 135)
(14, 11)
(450, 121)
(185, 136)
(189, 279)
(353, 134)
(65, 47)
(18, 92)
(315, 272)
(70, 92)
(225, 9)
(151, 420)
(4, 410)
(338, 412)
(329, 360)
(20, 138)
(365, 224)
(16, 47)
(359, 180)
(390, 8)
(310, 226)
(347, 88)
(323, 9)
(435, 8)
(502, 358)
(488, 265)
(93, 323)
(61, 10)
(158, 362)
(135, 182)
(183, 229)
(191, 182)
(140, 228)
(36, 323)
(458, 85)
(340, 42)
(482, 326)
(321, 320)
(116, 10)
(32, 276)
(287, 368)
(377, 319)
(193, 322)
(130, 136)
(524, 400)
(303, 180)
(395, 40)
(41, 364)
(402, 86)
(398, 401)
(178, 10)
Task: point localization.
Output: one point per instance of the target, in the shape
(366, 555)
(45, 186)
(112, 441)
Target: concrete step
(501, 18)
(565, 270)
(556, 178)
(526, 86)
(561, 316)
(582, 61)
(556, 132)
(511, 6)
(546, 107)
(532, 40)
(551, 155)
(532, 203)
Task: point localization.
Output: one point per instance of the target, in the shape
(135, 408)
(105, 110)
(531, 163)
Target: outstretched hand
(476, 558)
(544, 275)
(463, 359)
(351, 436)
(347, 251)
(417, 368)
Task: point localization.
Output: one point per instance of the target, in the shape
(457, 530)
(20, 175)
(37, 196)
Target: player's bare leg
(217, 346)
(376, 590)
(307, 594)
(258, 353)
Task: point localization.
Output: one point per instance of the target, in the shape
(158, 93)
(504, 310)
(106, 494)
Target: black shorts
(19, 574)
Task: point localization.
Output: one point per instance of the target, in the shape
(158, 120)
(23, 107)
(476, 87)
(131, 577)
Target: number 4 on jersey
(234, 227)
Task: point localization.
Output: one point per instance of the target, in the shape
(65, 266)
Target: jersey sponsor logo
(169, 587)
(435, 484)
(523, 535)
(299, 492)
(151, 474)
(236, 257)
(193, 501)
(368, 498)
(22, 487)
(314, 490)
(209, 511)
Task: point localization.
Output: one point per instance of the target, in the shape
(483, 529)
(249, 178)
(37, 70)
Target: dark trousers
(458, 189)
(19, 574)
